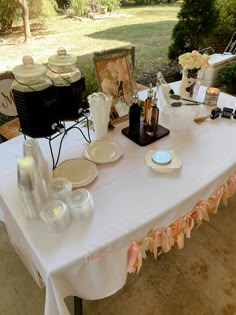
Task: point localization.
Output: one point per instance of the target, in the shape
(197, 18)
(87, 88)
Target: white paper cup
(101, 130)
(31, 187)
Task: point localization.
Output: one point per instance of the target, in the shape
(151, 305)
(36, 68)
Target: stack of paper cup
(100, 106)
(32, 148)
(31, 187)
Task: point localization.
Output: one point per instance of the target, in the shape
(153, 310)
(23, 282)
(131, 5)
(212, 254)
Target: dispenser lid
(62, 58)
(29, 69)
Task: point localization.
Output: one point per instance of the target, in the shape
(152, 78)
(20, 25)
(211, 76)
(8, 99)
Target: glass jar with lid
(68, 83)
(35, 99)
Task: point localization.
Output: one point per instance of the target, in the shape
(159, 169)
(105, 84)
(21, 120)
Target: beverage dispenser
(35, 99)
(68, 84)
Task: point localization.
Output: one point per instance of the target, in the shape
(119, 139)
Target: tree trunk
(25, 15)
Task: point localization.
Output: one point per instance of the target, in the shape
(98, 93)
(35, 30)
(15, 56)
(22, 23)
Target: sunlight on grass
(148, 28)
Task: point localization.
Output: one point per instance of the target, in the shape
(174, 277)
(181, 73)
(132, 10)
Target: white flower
(198, 64)
(191, 64)
(194, 60)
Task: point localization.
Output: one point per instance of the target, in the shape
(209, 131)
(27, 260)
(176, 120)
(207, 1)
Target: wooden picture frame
(115, 75)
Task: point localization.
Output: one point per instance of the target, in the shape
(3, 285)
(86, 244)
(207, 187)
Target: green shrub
(225, 27)
(227, 74)
(42, 8)
(9, 10)
(48, 7)
(125, 3)
(63, 3)
(87, 69)
(78, 7)
(197, 19)
(7, 14)
(111, 5)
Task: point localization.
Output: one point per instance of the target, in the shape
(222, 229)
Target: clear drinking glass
(55, 216)
(60, 189)
(81, 204)
(181, 118)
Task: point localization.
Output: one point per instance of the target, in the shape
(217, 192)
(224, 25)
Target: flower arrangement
(194, 60)
(191, 62)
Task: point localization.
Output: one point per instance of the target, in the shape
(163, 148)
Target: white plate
(80, 172)
(103, 151)
(167, 168)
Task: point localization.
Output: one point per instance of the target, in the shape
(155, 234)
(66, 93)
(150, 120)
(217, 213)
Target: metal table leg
(78, 306)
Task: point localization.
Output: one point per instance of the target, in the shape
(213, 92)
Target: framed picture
(115, 74)
(7, 103)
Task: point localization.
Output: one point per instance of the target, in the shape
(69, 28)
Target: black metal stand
(65, 130)
(62, 130)
(78, 305)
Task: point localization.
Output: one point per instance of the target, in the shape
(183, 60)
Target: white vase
(189, 84)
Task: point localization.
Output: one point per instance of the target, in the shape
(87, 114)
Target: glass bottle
(164, 88)
(147, 104)
(152, 126)
(134, 116)
(167, 90)
(164, 91)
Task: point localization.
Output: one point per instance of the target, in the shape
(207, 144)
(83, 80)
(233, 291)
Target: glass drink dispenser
(68, 84)
(35, 99)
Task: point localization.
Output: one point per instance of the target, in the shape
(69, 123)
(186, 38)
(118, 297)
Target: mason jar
(35, 100)
(68, 84)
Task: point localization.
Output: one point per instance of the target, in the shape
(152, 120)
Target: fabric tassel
(165, 245)
(145, 245)
(230, 188)
(175, 232)
(176, 227)
(180, 240)
(202, 210)
(189, 225)
(231, 185)
(134, 258)
(170, 237)
(215, 198)
(156, 243)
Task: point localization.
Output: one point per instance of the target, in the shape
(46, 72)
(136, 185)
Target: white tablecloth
(130, 199)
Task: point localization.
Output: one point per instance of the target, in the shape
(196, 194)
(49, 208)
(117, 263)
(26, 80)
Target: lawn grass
(148, 28)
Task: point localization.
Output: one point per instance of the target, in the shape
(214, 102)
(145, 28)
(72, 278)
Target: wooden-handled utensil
(200, 120)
